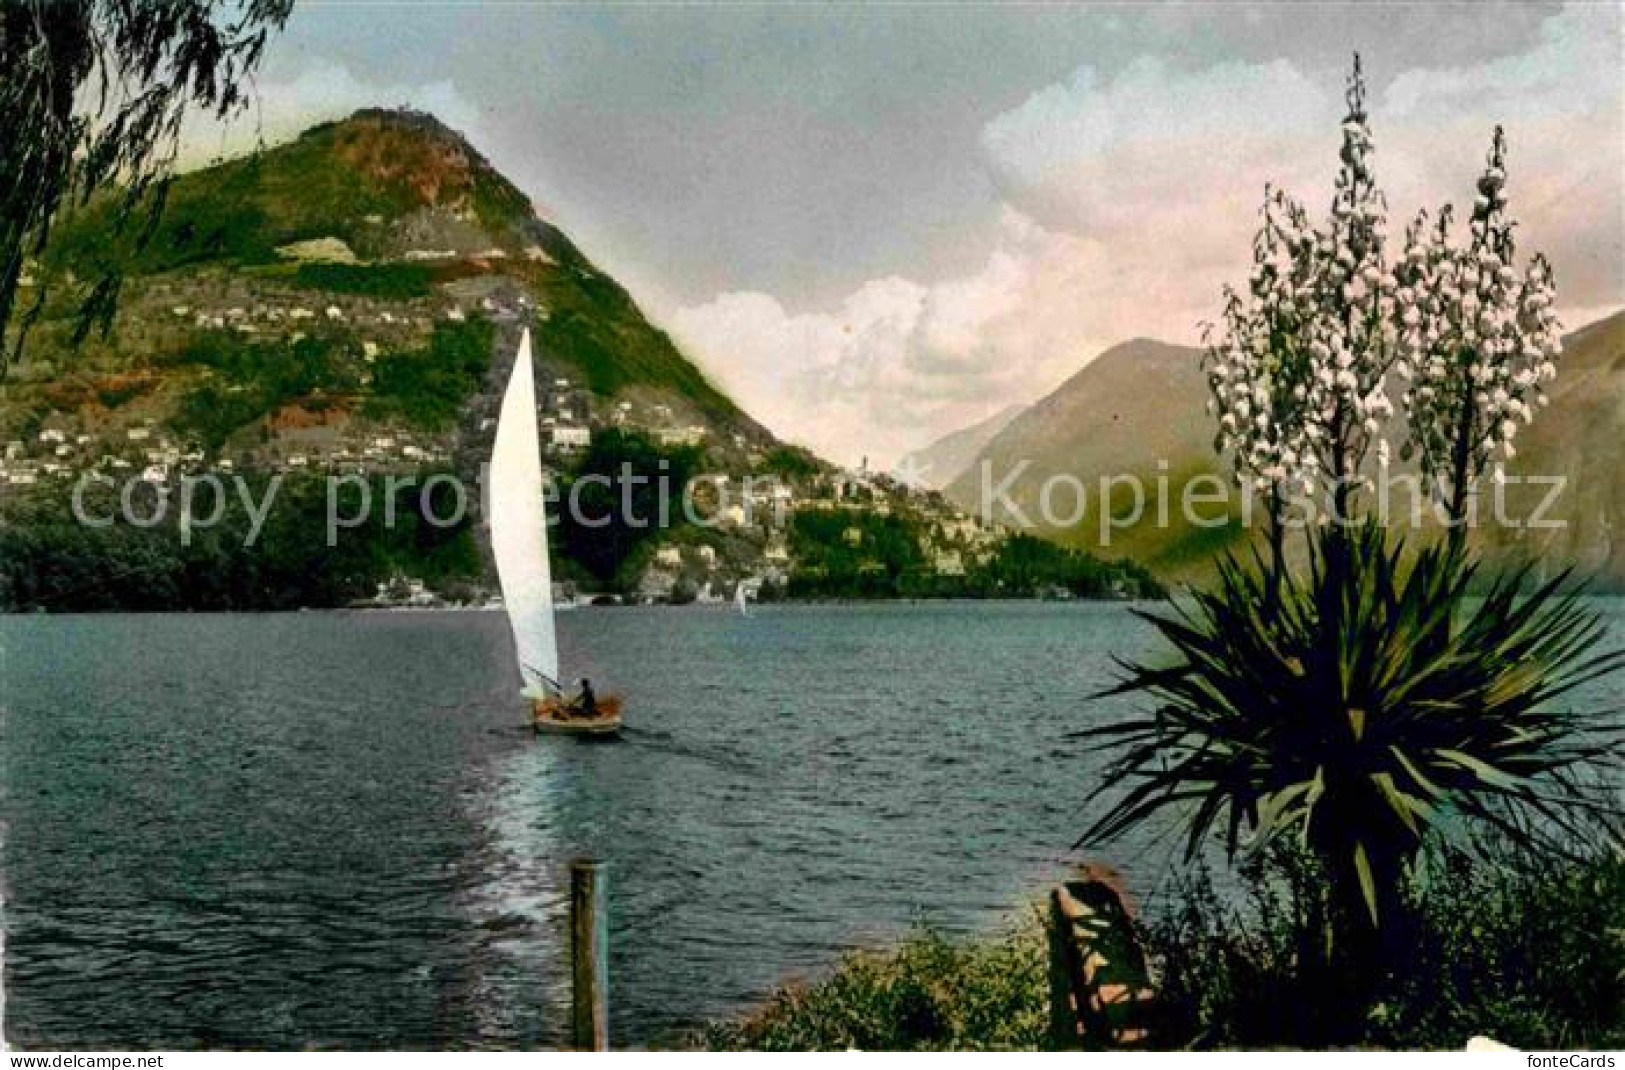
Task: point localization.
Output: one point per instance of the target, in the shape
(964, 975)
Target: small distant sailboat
(742, 599)
(518, 524)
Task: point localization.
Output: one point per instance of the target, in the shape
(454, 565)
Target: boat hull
(555, 716)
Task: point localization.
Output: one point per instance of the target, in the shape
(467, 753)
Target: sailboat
(518, 524)
(742, 599)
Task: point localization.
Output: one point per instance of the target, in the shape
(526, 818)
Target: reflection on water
(521, 896)
(333, 830)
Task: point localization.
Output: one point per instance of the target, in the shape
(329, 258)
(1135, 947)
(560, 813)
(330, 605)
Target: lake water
(333, 830)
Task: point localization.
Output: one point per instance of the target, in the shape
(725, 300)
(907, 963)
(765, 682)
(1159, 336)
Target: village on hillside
(353, 323)
(113, 419)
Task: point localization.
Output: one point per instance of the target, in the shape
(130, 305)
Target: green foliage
(239, 211)
(850, 553)
(211, 413)
(384, 282)
(286, 370)
(1375, 704)
(791, 463)
(929, 995)
(425, 387)
(428, 387)
(49, 561)
(1530, 954)
(1376, 708)
(625, 490)
(594, 326)
(326, 183)
(93, 97)
(250, 381)
(1227, 967)
(197, 226)
(1023, 564)
(329, 183)
(1528, 951)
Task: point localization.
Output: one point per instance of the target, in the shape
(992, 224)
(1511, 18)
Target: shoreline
(704, 606)
(1604, 595)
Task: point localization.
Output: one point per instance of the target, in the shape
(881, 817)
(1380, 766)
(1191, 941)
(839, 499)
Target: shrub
(428, 387)
(389, 282)
(1375, 709)
(928, 995)
(1529, 953)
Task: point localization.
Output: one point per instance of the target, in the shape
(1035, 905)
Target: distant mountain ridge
(937, 465)
(1139, 409)
(1580, 437)
(1135, 404)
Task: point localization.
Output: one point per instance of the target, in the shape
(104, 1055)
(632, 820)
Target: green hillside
(416, 215)
(1135, 405)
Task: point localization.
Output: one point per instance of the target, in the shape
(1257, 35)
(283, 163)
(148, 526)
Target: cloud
(279, 109)
(897, 356)
(1127, 201)
(1120, 218)
(1156, 143)
(1565, 126)
(1559, 75)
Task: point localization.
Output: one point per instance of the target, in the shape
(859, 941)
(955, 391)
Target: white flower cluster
(1299, 372)
(1299, 368)
(1255, 372)
(1479, 341)
(1352, 342)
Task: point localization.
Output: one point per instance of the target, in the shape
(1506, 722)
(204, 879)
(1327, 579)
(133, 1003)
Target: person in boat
(586, 703)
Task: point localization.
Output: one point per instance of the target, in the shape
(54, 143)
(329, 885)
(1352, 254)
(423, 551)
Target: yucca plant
(1378, 703)
(1373, 704)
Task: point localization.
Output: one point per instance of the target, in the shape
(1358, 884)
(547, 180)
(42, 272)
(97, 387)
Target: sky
(874, 225)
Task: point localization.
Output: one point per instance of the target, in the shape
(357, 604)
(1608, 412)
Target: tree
(92, 97)
(624, 491)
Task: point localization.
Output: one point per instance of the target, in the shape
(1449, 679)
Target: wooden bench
(1100, 986)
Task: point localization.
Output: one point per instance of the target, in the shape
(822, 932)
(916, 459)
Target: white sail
(519, 529)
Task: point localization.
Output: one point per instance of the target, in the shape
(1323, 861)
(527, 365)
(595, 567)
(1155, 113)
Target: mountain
(346, 287)
(1578, 438)
(1138, 410)
(1133, 405)
(940, 463)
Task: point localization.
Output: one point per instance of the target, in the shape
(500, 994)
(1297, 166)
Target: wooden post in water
(589, 955)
